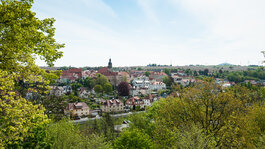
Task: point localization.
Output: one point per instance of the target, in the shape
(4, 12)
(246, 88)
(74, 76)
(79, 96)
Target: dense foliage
(23, 38)
(205, 116)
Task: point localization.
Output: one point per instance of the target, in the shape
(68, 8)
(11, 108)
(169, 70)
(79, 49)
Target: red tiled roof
(158, 73)
(123, 73)
(77, 105)
(75, 70)
(132, 101)
(72, 74)
(105, 71)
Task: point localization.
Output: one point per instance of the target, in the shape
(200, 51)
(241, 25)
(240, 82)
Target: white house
(226, 84)
(114, 105)
(57, 91)
(83, 92)
(141, 83)
(157, 85)
(139, 91)
(148, 102)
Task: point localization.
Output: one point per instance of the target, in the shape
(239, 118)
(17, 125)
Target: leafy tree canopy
(107, 88)
(98, 88)
(133, 139)
(23, 38)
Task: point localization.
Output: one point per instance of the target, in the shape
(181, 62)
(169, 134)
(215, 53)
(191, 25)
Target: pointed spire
(110, 64)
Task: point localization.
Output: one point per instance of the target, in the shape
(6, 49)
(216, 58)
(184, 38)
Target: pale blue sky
(140, 32)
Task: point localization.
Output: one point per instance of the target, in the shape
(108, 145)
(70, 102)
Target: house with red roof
(71, 74)
(157, 76)
(89, 73)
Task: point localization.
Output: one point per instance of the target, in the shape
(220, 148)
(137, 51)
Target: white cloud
(99, 6)
(235, 26)
(235, 34)
(147, 7)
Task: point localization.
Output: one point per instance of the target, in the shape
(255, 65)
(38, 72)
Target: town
(136, 74)
(89, 93)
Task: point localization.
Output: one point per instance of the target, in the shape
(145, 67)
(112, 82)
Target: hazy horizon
(142, 32)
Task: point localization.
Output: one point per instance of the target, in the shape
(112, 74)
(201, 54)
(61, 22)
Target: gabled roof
(158, 73)
(134, 99)
(77, 105)
(105, 71)
(123, 73)
(112, 102)
(75, 70)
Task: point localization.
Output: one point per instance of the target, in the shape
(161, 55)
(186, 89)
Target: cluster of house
(225, 83)
(181, 78)
(141, 88)
(254, 82)
(142, 92)
(141, 84)
(81, 109)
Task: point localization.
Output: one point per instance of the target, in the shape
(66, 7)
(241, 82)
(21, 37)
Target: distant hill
(225, 64)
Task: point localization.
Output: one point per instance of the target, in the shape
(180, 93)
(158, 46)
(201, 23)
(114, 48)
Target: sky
(142, 32)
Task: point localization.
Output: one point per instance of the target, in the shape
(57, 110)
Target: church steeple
(110, 64)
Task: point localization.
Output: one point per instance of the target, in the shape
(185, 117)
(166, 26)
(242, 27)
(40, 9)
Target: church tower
(110, 64)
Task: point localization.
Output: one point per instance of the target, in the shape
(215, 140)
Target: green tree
(54, 106)
(75, 86)
(95, 141)
(188, 72)
(107, 126)
(107, 88)
(147, 73)
(167, 71)
(64, 134)
(132, 139)
(218, 113)
(101, 79)
(142, 122)
(167, 81)
(89, 83)
(23, 38)
(206, 72)
(193, 137)
(140, 68)
(98, 89)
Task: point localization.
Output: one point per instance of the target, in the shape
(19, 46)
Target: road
(82, 120)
